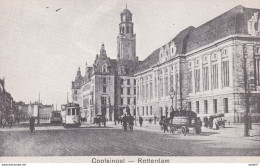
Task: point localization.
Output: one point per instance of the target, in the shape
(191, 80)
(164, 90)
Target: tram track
(67, 149)
(63, 145)
(123, 149)
(146, 147)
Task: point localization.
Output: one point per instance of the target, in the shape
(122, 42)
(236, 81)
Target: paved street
(89, 140)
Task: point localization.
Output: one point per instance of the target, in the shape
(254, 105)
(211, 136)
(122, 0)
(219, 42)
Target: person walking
(124, 121)
(165, 125)
(155, 118)
(141, 121)
(131, 122)
(32, 121)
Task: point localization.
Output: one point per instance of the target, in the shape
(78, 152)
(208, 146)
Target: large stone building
(201, 69)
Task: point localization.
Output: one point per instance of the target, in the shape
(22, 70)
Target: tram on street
(70, 115)
(56, 117)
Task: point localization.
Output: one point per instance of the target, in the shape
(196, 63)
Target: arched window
(104, 68)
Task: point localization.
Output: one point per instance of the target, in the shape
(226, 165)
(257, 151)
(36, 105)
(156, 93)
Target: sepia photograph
(129, 81)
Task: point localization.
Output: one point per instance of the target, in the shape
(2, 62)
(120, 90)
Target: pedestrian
(155, 118)
(165, 123)
(141, 121)
(32, 121)
(124, 121)
(215, 124)
(150, 120)
(104, 120)
(131, 122)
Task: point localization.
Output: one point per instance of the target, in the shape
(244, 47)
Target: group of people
(212, 122)
(128, 120)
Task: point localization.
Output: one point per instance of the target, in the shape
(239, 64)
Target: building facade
(203, 69)
(6, 101)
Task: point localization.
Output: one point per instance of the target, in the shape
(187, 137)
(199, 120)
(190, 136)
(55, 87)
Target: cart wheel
(184, 130)
(172, 130)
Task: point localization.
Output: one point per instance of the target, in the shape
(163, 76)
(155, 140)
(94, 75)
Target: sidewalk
(230, 131)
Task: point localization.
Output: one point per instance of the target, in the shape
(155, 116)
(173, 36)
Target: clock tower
(126, 41)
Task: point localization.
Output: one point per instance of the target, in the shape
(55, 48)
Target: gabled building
(200, 69)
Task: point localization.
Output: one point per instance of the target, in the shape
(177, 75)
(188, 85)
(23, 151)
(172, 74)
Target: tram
(70, 114)
(56, 117)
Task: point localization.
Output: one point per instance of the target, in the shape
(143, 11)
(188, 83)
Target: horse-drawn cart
(186, 121)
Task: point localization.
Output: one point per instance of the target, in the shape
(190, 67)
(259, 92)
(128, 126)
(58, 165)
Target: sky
(41, 48)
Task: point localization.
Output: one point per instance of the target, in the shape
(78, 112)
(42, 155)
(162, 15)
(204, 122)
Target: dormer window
(104, 68)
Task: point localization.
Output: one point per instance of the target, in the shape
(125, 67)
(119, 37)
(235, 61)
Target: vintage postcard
(129, 81)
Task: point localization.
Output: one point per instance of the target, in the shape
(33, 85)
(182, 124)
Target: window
(225, 105)
(128, 81)
(189, 106)
(104, 68)
(122, 101)
(161, 88)
(104, 89)
(197, 80)
(137, 92)
(197, 107)
(128, 91)
(122, 91)
(128, 100)
(127, 29)
(151, 110)
(257, 69)
(190, 81)
(225, 73)
(134, 81)
(73, 111)
(146, 110)
(69, 111)
(77, 111)
(143, 111)
(138, 113)
(134, 91)
(205, 78)
(215, 106)
(205, 106)
(104, 80)
(122, 81)
(155, 86)
(214, 76)
(171, 80)
(103, 100)
(151, 90)
(147, 92)
(166, 86)
(134, 101)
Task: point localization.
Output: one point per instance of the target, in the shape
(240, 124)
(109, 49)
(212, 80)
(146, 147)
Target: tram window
(73, 111)
(69, 112)
(77, 111)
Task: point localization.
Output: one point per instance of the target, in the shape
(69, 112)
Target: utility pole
(246, 89)
(38, 117)
(67, 98)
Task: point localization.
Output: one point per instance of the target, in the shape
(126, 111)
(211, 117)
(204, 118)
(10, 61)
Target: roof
(150, 61)
(231, 22)
(180, 41)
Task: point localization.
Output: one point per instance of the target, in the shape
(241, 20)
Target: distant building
(6, 101)
(202, 65)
